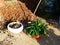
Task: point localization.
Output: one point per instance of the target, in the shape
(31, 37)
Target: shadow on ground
(50, 39)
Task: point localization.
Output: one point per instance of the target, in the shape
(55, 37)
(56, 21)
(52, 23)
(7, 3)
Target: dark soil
(15, 25)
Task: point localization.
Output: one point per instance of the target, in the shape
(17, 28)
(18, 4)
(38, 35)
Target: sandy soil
(9, 38)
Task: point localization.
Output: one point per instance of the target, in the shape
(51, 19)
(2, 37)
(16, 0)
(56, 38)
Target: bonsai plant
(36, 29)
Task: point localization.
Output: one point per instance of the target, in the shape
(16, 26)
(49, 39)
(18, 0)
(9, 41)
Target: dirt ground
(9, 38)
(8, 11)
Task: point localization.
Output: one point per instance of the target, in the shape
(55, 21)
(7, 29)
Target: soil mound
(16, 11)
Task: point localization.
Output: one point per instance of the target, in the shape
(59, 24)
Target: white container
(15, 30)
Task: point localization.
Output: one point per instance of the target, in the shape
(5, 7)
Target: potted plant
(37, 28)
(15, 27)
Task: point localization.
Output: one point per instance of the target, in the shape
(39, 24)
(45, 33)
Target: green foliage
(37, 28)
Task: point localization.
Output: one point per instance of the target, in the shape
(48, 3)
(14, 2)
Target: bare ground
(52, 38)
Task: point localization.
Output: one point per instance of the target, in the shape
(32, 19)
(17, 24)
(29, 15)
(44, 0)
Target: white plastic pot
(17, 30)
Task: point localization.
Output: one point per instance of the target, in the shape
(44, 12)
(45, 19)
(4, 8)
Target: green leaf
(46, 26)
(30, 31)
(28, 27)
(33, 34)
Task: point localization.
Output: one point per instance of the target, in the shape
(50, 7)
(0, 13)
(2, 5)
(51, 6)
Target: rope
(37, 6)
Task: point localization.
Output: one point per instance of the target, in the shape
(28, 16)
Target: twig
(37, 6)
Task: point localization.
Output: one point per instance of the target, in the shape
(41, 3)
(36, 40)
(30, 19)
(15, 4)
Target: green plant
(36, 28)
